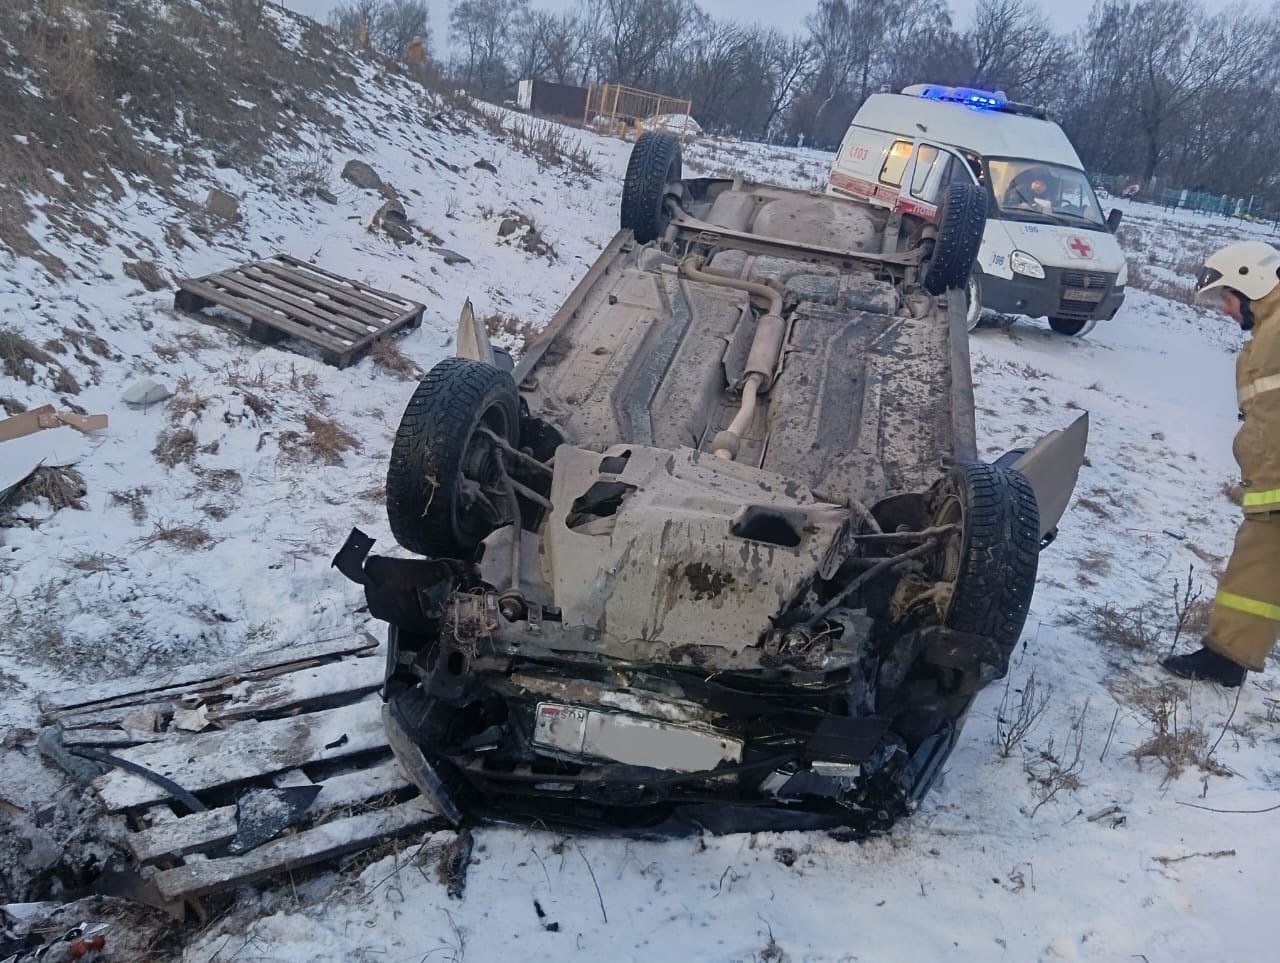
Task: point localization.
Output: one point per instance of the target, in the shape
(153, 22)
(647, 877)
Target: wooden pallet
(285, 296)
(305, 715)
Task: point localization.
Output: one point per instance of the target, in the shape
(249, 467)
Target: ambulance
(1047, 250)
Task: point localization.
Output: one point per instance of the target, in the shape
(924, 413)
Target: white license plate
(1080, 294)
(632, 739)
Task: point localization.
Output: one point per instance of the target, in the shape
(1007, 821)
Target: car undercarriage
(718, 554)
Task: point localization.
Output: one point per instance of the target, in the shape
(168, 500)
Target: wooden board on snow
(203, 760)
(285, 296)
(203, 831)
(292, 852)
(295, 717)
(216, 674)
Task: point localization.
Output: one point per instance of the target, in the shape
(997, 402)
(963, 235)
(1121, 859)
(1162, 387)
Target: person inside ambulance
(1032, 189)
(1245, 620)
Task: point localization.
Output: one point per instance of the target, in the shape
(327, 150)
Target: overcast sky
(772, 13)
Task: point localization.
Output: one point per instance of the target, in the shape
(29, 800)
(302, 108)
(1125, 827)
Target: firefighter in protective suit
(1245, 620)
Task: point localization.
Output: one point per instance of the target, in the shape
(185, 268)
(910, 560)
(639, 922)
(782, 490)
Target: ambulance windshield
(1049, 193)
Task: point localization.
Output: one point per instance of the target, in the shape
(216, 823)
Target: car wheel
(961, 221)
(655, 162)
(1073, 327)
(992, 559)
(445, 483)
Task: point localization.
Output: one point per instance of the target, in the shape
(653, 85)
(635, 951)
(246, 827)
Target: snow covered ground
(1056, 843)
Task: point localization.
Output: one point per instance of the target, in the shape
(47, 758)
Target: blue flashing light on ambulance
(1047, 250)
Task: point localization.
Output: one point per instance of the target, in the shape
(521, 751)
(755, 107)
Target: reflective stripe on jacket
(1257, 444)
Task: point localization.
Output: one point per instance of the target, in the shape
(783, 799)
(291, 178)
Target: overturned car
(718, 553)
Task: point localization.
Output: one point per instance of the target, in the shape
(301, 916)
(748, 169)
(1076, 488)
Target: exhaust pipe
(762, 359)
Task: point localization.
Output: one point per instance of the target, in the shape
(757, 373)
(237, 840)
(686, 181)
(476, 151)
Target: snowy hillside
(1071, 823)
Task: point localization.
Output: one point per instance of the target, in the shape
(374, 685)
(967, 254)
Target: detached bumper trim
(417, 767)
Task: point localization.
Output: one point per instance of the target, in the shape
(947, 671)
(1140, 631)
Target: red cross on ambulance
(1079, 247)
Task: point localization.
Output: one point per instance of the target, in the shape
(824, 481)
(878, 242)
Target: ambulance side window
(895, 162)
(934, 173)
(926, 159)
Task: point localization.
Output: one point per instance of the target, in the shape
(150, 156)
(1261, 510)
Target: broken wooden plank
(246, 750)
(92, 736)
(305, 688)
(186, 835)
(291, 852)
(152, 684)
(201, 831)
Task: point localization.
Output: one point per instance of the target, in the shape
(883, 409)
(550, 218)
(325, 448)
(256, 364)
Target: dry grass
(1135, 628)
(515, 330)
(176, 446)
(21, 358)
(548, 143)
(1055, 768)
(386, 354)
(189, 537)
(1088, 504)
(1175, 743)
(1020, 712)
(261, 406)
(186, 401)
(135, 500)
(147, 274)
(60, 487)
(309, 173)
(93, 562)
(325, 441)
(220, 480)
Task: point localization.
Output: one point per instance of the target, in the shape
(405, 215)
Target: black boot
(1207, 665)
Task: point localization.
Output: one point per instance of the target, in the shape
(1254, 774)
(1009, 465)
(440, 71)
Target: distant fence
(1201, 202)
(620, 110)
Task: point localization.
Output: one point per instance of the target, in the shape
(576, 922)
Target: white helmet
(1246, 266)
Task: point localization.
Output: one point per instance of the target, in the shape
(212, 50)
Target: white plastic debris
(146, 392)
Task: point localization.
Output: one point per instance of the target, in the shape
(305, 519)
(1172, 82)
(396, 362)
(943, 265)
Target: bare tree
(788, 61)
(1160, 66)
(635, 35)
(399, 23)
(482, 31)
(1014, 49)
(389, 25)
(549, 46)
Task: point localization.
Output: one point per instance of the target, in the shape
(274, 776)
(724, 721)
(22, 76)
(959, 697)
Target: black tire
(961, 221)
(1073, 327)
(993, 562)
(437, 446)
(655, 162)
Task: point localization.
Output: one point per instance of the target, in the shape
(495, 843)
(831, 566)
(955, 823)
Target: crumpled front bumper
(750, 754)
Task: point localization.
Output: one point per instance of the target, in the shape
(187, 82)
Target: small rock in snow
(361, 174)
(222, 205)
(451, 257)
